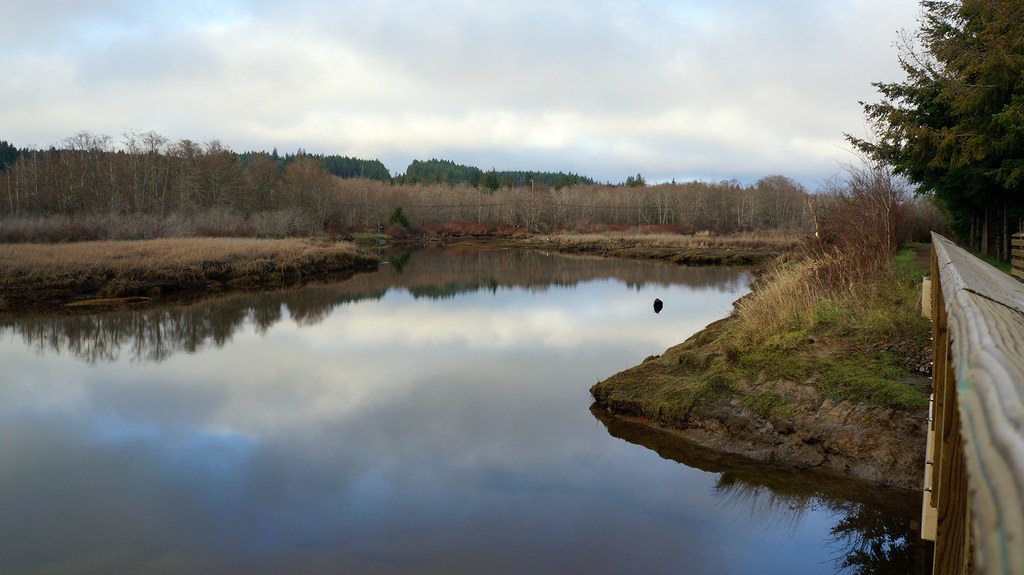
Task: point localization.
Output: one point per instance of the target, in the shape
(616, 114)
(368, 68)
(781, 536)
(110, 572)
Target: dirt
(923, 255)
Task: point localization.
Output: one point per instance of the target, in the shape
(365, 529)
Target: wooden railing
(974, 473)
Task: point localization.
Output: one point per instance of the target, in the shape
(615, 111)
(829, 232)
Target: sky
(686, 89)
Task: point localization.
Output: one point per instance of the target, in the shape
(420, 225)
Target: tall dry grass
(214, 222)
(829, 295)
(786, 296)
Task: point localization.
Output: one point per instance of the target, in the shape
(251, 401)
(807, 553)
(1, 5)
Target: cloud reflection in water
(371, 429)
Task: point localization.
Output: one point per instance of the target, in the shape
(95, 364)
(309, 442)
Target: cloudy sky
(682, 89)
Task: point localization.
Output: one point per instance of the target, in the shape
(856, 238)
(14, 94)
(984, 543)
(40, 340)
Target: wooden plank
(940, 374)
(952, 551)
(985, 310)
(929, 514)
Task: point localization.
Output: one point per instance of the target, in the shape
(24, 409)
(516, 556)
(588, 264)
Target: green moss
(767, 363)
(871, 380)
(766, 404)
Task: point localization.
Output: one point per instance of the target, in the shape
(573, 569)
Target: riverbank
(696, 250)
(833, 380)
(113, 273)
(117, 273)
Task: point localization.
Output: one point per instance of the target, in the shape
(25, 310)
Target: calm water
(433, 417)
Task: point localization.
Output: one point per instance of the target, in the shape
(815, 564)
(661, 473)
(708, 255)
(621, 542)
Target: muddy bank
(117, 274)
(802, 429)
(681, 250)
(783, 479)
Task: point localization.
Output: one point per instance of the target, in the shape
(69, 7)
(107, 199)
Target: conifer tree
(955, 125)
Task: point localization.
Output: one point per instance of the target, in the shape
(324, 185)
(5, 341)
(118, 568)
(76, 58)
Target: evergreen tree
(8, 155)
(491, 180)
(955, 125)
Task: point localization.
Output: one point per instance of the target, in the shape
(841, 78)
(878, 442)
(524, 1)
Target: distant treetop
(436, 171)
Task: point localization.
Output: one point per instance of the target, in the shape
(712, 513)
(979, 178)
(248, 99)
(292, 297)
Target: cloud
(708, 89)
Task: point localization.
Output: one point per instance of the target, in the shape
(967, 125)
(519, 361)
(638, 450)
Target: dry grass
(119, 268)
(742, 241)
(787, 295)
(682, 249)
(809, 321)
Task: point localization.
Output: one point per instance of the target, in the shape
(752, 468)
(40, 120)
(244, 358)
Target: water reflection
(431, 418)
(873, 530)
(156, 334)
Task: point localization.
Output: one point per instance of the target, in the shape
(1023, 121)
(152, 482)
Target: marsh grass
(772, 241)
(805, 322)
(857, 340)
(121, 268)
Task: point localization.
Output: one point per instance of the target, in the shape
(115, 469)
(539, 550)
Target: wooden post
(926, 296)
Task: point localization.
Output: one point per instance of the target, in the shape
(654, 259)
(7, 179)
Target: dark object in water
(658, 305)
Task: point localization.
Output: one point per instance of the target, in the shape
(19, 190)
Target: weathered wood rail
(974, 473)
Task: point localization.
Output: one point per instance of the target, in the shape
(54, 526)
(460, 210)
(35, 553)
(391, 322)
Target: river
(430, 417)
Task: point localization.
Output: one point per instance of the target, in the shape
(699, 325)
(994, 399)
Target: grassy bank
(857, 343)
(37, 273)
(806, 368)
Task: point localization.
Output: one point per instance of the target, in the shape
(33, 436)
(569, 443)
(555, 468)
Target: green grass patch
(905, 262)
(869, 381)
(766, 364)
(767, 404)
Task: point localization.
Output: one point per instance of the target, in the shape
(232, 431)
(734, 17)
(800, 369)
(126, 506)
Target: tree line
(436, 171)
(269, 194)
(151, 187)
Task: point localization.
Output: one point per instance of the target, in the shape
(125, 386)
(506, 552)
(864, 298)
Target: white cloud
(709, 89)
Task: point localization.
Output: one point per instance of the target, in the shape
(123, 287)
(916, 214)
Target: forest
(151, 187)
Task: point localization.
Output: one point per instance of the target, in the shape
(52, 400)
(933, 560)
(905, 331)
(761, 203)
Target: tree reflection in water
(873, 534)
(873, 541)
(155, 334)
